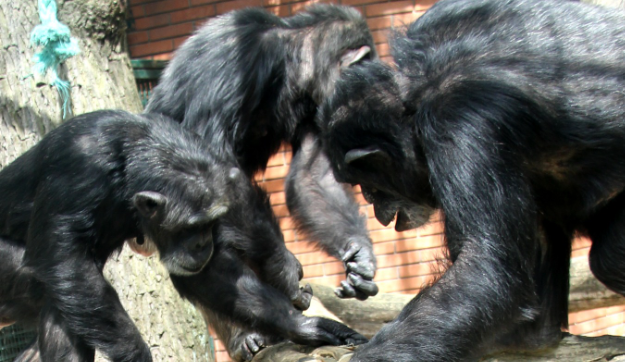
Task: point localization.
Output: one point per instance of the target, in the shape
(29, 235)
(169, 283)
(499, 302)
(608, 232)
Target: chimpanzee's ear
(148, 202)
(373, 156)
(353, 56)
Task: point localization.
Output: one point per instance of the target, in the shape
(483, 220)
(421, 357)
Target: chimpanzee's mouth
(404, 220)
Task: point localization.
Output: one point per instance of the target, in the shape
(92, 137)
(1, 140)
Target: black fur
(105, 177)
(249, 81)
(510, 117)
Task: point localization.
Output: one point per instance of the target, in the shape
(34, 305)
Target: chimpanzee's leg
(327, 211)
(607, 232)
(551, 279)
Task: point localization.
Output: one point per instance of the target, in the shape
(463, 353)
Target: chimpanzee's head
(371, 142)
(183, 191)
(327, 39)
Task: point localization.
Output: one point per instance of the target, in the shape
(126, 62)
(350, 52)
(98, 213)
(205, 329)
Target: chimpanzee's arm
(60, 250)
(492, 229)
(55, 343)
(231, 289)
(327, 211)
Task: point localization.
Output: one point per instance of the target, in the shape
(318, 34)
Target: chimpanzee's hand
(303, 298)
(247, 346)
(316, 331)
(360, 266)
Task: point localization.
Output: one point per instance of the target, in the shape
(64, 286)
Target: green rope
(57, 45)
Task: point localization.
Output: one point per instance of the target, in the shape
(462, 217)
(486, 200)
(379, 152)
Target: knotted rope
(57, 45)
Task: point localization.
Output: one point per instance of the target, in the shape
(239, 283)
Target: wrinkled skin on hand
(360, 266)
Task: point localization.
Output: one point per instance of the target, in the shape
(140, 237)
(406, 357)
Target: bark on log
(101, 78)
(572, 348)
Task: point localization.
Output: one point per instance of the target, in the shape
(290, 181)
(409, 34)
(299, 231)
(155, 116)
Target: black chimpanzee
(510, 117)
(104, 177)
(248, 81)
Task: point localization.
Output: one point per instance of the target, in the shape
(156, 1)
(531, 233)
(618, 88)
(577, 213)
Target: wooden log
(572, 348)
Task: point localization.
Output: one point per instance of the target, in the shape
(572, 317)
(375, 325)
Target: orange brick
(137, 12)
(423, 5)
(410, 257)
(389, 8)
(581, 242)
(360, 199)
(357, 2)
(384, 248)
(282, 10)
(276, 160)
(178, 41)
(171, 31)
(289, 235)
(420, 269)
(276, 172)
(137, 37)
(405, 19)
(141, 50)
(380, 36)
(286, 223)
(288, 156)
(222, 356)
(280, 210)
(163, 56)
(431, 229)
(273, 185)
(388, 60)
(315, 270)
(297, 7)
(390, 234)
(580, 253)
(331, 280)
(386, 274)
(267, 3)
(277, 198)
(424, 242)
(198, 12)
(383, 50)
(381, 22)
(432, 254)
(314, 257)
(397, 285)
(136, 2)
(152, 22)
(227, 6)
(332, 268)
(165, 6)
(373, 224)
(586, 315)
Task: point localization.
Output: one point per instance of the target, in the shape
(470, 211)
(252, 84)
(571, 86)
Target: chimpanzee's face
(181, 220)
(371, 142)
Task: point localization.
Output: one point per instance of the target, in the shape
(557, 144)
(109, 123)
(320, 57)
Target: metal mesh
(14, 339)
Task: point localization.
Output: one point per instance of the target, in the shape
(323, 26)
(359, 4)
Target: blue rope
(57, 45)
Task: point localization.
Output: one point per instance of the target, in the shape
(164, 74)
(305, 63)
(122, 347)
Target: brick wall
(406, 260)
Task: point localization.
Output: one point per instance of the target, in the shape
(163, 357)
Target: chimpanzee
(108, 176)
(510, 117)
(248, 81)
